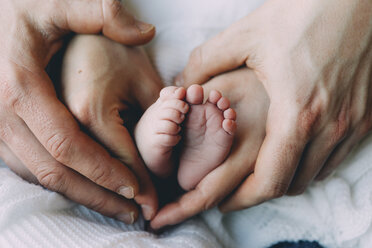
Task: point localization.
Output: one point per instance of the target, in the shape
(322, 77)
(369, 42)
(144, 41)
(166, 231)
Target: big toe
(173, 92)
(195, 94)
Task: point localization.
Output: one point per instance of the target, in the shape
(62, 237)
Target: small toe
(229, 126)
(172, 115)
(173, 92)
(195, 94)
(214, 96)
(167, 127)
(229, 114)
(223, 103)
(176, 104)
(168, 140)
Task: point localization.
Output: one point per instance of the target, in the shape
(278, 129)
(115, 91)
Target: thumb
(227, 51)
(118, 140)
(106, 16)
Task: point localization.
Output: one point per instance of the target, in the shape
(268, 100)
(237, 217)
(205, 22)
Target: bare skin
(39, 130)
(207, 129)
(250, 101)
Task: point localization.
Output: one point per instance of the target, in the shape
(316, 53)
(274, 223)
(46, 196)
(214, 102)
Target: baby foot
(157, 132)
(208, 135)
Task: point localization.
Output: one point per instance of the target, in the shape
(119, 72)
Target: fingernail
(127, 218)
(127, 192)
(144, 27)
(147, 212)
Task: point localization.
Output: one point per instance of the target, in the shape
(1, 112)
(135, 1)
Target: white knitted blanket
(337, 212)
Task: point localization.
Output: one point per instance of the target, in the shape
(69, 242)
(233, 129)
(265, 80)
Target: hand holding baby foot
(207, 133)
(249, 99)
(100, 80)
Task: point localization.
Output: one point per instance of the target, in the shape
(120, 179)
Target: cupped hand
(37, 127)
(314, 59)
(250, 101)
(107, 86)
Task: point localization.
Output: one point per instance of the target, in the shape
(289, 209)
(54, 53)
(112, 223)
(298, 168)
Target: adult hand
(250, 101)
(314, 59)
(107, 86)
(39, 130)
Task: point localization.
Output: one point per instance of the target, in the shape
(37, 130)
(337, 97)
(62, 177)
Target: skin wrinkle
(33, 32)
(315, 52)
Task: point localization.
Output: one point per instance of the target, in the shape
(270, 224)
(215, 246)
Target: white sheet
(336, 212)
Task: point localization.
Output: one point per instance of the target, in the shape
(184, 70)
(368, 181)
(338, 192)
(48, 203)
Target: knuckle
(115, 8)
(339, 129)
(273, 190)
(98, 204)
(101, 175)
(10, 94)
(59, 146)
(306, 122)
(6, 131)
(206, 198)
(210, 203)
(51, 177)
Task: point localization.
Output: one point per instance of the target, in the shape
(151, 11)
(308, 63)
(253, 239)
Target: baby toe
(223, 103)
(167, 127)
(195, 94)
(176, 104)
(229, 126)
(172, 115)
(214, 96)
(229, 114)
(168, 140)
(173, 92)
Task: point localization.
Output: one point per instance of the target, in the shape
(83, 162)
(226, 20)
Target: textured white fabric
(336, 212)
(31, 216)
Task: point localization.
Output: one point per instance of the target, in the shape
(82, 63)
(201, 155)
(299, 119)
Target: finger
(58, 132)
(106, 16)
(13, 162)
(118, 140)
(229, 51)
(338, 155)
(276, 164)
(57, 177)
(315, 156)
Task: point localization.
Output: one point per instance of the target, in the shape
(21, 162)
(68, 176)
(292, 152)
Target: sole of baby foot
(208, 134)
(157, 132)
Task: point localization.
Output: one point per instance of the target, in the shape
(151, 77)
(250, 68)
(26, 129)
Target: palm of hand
(249, 99)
